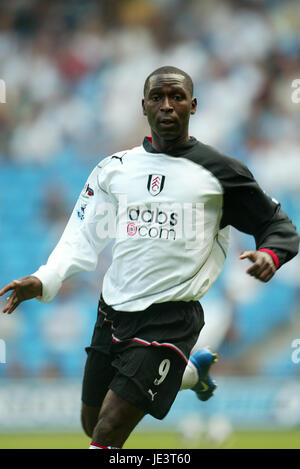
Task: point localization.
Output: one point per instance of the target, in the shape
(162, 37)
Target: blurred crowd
(74, 74)
(75, 71)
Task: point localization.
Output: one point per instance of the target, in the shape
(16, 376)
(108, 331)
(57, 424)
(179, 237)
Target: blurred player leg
(218, 318)
(196, 376)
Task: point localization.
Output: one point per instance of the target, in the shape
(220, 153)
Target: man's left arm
(250, 210)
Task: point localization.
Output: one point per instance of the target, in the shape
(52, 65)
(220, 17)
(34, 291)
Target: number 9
(162, 371)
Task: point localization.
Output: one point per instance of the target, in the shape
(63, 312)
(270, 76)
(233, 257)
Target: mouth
(167, 122)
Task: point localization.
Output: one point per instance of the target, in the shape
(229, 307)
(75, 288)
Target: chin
(168, 135)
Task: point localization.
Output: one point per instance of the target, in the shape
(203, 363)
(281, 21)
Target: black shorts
(141, 355)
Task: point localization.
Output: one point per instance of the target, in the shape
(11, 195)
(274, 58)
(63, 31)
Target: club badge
(155, 183)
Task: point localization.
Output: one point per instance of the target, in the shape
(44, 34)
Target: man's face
(168, 105)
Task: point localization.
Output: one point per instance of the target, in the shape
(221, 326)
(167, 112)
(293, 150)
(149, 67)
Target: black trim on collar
(178, 151)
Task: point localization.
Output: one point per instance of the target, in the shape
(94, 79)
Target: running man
(169, 203)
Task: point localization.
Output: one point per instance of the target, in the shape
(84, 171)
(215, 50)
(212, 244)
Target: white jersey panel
(164, 213)
(167, 248)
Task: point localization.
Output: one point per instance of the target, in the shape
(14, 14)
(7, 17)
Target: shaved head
(168, 70)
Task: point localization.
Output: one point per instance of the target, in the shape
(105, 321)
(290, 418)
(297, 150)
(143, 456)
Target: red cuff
(273, 255)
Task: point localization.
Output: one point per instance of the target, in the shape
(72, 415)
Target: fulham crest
(155, 183)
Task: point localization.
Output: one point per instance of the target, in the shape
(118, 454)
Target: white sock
(190, 376)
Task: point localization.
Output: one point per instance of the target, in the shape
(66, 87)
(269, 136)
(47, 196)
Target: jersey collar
(178, 151)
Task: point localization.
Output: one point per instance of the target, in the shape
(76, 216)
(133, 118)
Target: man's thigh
(98, 374)
(149, 378)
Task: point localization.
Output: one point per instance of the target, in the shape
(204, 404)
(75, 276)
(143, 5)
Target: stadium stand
(74, 73)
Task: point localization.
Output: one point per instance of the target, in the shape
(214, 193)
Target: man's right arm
(80, 244)
(77, 250)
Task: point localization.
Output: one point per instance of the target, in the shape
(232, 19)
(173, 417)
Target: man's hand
(23, 289)
(263, 267)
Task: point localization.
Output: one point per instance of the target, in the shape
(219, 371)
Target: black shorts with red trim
(141, 355)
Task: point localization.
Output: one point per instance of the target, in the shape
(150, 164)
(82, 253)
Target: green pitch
(159, 440)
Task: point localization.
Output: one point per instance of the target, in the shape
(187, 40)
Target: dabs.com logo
(152, 223)
(167, 222)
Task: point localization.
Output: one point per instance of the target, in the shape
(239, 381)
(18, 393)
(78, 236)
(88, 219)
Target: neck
(163, 145)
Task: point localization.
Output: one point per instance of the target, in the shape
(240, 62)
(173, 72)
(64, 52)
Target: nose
(165, 105)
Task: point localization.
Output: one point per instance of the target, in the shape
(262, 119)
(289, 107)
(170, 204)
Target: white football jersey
(169, 216)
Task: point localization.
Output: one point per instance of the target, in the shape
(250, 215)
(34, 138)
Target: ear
(143, 106)
(194, 106)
